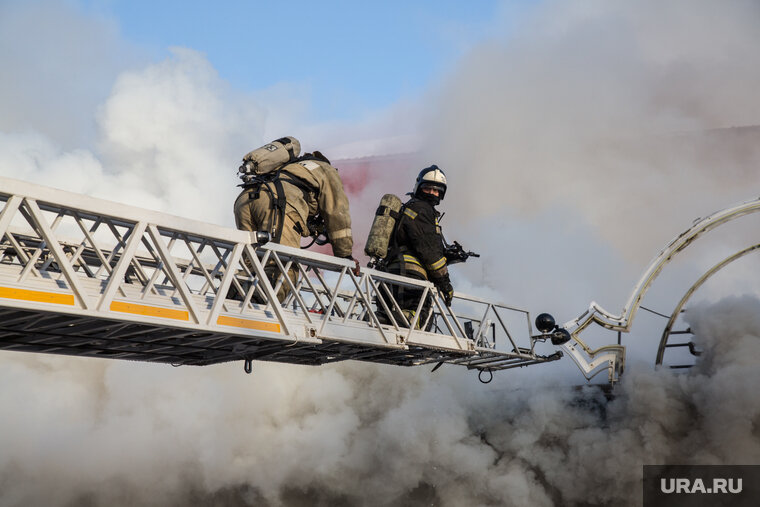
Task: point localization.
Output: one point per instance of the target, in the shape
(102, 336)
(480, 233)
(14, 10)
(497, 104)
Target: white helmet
(431, 176)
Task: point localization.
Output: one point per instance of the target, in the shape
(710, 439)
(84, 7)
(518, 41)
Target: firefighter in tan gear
(417, 248)
(283, 194)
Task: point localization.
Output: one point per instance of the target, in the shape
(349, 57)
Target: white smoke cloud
(587, 106)
(583, 140)
(166, 131)
(58, 63)
(175, 127)
(540, 135)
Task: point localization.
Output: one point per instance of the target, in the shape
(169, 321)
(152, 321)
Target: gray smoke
(571, 154)
(86, 431)
(605, 109)
(589, 135)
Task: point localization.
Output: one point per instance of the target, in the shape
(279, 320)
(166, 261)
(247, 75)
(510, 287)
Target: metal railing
(82, 276)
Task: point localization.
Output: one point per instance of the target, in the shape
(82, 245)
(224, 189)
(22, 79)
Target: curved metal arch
(591, 361)
(677, 311)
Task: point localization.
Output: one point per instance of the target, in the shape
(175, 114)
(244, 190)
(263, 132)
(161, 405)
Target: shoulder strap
(385, 210)
(299, 182)
(394, 250)
(279, 204)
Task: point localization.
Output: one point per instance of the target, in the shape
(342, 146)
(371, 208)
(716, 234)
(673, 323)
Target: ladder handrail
(154, 266)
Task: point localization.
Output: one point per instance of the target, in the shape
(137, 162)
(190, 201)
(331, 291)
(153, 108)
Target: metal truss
(86, 277)
(612, 357)
(668, 332)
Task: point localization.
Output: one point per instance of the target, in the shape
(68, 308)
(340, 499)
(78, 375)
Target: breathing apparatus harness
(271, 183)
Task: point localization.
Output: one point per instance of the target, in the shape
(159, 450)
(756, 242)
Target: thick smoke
(606, 108)
(591, 134)
(365, 435)
(164, 132)
(559, 143)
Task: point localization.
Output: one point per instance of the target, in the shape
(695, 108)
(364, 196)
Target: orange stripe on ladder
(259, 325)
(37, 296)
(149, 311)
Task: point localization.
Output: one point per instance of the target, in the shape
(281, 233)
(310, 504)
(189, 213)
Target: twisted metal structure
(612, 357)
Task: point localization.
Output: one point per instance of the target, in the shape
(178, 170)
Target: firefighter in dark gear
(286, 198)
(416, 249)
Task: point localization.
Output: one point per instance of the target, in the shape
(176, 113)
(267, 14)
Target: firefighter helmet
(431, 177)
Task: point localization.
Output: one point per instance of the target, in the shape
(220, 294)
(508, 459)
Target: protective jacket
(417, 244)
(310, 187)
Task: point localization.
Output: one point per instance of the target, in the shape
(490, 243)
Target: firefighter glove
(447, 291)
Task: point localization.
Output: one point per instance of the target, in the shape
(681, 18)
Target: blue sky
(347, 57)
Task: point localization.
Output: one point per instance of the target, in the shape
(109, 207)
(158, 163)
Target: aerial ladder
(87, 277)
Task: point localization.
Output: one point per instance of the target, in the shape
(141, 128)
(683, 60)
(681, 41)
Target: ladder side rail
(215, 271)
(267, 254)
(302, 271)
(157, 269)
(77, 260)
(8, 212)
(37, 246)
(24, 257)
(188, 269)
(482, 324)
(516, 349)
(121, 242)
(352, 301)
(125, 259)
(249, 294)
(446, 320)
(169, 247)
(396, 307)
(195, 269)
(475, 299)
(241, 272)
(173, 272)
(51, 198)
(332, 300)
(416, 317)
(494, 307)
(98, 250)
(224, 286)
(58, 253)
(336, 294)
(104, 263)
(365, 298)
(366, 281)
(266, 288)
(169, 264)
(53, 226)
(82, 248)
(293, 292)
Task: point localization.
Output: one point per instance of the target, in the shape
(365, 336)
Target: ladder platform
(85, 277)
